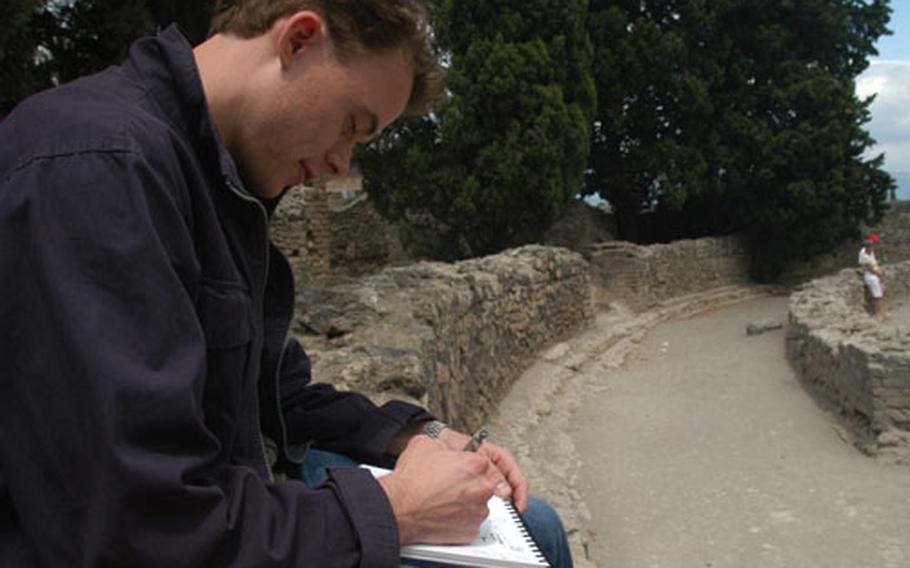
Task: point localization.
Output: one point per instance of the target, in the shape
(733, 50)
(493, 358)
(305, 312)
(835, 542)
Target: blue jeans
(543, 522)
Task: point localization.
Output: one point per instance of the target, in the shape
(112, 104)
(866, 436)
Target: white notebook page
(503, 541)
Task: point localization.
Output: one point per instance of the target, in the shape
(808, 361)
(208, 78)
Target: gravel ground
(690, 444)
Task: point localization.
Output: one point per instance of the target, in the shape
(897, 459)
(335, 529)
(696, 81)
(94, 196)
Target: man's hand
(438, 495)
(508, 479)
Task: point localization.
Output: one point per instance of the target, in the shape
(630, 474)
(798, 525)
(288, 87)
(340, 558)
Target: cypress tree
(504, 155)
(738, 115)
(805, 184)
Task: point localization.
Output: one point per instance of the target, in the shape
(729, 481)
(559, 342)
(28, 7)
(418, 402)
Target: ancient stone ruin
(333, 230)
(643, 276)
(452, 336)
(856, 364)
(455, 337)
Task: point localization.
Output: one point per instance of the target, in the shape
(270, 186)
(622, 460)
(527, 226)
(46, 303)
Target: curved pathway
(690, 444)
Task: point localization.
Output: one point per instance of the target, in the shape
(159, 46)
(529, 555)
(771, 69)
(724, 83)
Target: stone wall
(453, 337)
(296, 225)
(581, 227)
(860, 366)
(363, 242)
(642, 276)
(359, 241)
(894, 231)
(334, 231)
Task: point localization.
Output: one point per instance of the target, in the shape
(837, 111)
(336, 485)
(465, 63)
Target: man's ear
(298, 32)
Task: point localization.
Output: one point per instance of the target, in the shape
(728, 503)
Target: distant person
(147, 362)
(873, 276)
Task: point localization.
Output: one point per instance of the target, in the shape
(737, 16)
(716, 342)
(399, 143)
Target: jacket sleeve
(344, 422)
(105, 451)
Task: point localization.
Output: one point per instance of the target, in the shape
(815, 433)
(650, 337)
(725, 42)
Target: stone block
(896, 380)
(902, 401)
(415, 330)
(899, 416)
(761, 326)
(893, 438)
(845, 353)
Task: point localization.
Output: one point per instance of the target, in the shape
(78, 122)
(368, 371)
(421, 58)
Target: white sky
(889, 77)
(890, 125)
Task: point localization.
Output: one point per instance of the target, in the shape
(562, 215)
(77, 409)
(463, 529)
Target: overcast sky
(889, 77)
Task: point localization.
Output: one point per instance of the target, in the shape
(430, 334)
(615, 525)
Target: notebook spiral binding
(526, 533)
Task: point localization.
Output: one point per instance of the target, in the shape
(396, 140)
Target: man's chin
(281, 193)
(270, 193)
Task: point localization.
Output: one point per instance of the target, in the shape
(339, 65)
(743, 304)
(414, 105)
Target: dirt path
(703, 450)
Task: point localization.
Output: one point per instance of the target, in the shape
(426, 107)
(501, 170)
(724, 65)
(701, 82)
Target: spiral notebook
(504, 541)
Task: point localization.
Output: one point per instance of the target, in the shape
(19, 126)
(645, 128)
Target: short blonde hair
(373, 25)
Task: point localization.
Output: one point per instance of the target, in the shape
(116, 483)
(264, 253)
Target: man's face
(308, 126)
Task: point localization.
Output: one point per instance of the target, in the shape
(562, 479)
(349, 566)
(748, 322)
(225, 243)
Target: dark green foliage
(652, 105)
(807, 186)
(712, 116)
(738, 115)
(87, 36)
(504, 155)
(43, 43)
(19, 73)
(403, 165)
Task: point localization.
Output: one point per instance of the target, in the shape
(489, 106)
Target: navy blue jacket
(144, 346)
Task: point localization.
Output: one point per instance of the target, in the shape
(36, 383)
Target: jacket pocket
(225, 311)
(226, 315)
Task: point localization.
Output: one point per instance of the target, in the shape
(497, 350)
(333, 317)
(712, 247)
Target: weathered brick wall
(854, 362)
(619, 271)
(642, 276)
(301, 229)
(326, 233)
(319, 234)
(453, 337)
(289, 228)
(363, 242)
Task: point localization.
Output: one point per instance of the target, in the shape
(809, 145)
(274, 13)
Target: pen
(475, 441)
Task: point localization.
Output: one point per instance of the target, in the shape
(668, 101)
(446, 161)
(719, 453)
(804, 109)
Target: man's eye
(352, 126)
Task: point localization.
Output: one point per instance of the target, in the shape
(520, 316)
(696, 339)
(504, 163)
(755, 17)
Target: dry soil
(704, 450)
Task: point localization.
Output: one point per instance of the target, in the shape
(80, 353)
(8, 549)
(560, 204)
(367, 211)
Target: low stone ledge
(859, 365)
(453, 337)
(642, 276)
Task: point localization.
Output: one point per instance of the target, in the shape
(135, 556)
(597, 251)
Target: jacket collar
(167, 66)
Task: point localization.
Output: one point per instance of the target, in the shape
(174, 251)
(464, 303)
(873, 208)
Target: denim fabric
(542, 520)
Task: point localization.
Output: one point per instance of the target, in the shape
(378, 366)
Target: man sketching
(147, 362)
